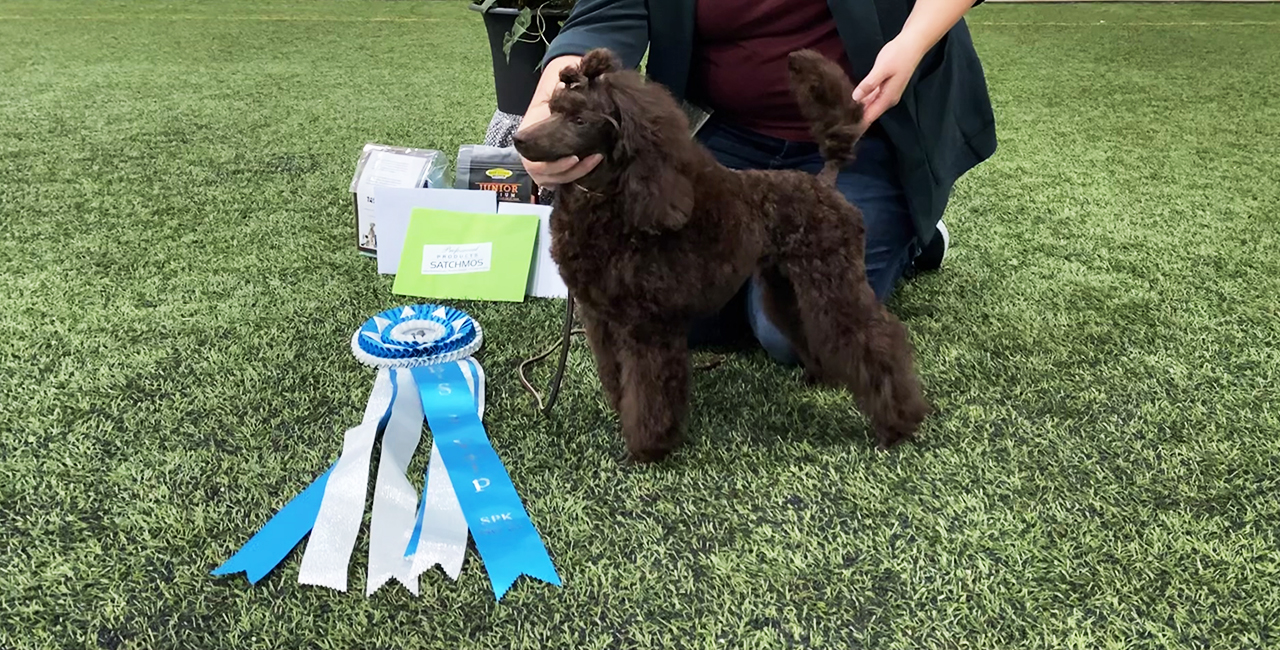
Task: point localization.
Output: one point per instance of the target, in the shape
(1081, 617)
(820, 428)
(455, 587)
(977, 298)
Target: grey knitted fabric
(499, 134)
(501, 129)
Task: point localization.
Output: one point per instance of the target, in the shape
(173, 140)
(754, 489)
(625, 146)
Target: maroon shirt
(739, 66)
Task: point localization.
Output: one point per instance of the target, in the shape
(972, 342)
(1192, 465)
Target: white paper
(544, 279)
(457, 259)
(396, 204)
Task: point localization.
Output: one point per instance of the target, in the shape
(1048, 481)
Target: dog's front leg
(604, 344)
(655, 392)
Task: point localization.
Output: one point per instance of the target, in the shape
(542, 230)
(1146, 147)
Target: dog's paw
(887, 439)
(645, 454)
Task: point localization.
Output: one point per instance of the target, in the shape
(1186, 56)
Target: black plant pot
(515, 81)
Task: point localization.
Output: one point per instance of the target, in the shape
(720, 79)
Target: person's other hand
(883, 86)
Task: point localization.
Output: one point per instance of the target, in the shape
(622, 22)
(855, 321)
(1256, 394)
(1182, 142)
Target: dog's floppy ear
(653, 136)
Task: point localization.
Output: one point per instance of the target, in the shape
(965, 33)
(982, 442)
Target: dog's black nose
(518, 140)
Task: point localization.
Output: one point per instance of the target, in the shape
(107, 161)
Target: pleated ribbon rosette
(425, 373)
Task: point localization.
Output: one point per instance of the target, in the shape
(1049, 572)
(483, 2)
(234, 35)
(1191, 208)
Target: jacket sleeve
(620, 25)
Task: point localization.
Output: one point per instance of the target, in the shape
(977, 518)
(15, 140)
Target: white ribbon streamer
(395, 501)
(475, 382)
(337, 524)
(443, 539)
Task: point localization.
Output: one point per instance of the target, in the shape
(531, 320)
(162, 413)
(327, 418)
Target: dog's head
(585, 117)
(635, 125)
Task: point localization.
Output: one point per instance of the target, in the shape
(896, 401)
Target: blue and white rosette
(425, 372)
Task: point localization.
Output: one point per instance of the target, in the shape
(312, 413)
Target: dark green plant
(532, 12)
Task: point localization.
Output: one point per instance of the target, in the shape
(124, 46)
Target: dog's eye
(577, 119)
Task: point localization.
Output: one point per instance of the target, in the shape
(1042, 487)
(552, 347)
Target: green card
(466, 255)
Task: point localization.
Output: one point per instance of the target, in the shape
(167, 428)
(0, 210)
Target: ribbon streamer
(268, 547)
(394, 499)
(440, 535)
(342, 510)
(508, 543)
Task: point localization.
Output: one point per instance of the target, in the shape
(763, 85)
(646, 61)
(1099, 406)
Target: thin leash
(566, 334)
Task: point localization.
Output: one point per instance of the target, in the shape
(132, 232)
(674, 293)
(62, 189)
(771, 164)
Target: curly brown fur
(660, 234)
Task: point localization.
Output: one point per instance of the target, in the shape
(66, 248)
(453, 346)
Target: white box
(385, 166)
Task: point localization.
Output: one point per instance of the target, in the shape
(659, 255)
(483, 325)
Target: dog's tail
(825, 95)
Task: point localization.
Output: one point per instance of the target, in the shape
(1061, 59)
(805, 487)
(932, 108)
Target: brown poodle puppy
(660, 234)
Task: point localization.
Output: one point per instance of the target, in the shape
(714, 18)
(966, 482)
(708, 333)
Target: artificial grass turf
(180, 283)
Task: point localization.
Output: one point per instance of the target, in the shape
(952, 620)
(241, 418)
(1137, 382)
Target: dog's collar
(587, 191)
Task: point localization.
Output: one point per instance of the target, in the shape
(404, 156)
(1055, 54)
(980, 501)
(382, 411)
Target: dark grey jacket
(942, 127)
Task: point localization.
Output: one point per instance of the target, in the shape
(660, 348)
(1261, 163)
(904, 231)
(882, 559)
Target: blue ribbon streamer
(269, 546)
(507, 541)
(417, 524)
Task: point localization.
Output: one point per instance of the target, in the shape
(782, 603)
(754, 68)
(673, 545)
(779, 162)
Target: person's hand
(553, 172)
(559, 172)
(883, 86)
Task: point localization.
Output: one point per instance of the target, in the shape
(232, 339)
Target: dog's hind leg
(858, 343)
(778, 300)
(655, 392)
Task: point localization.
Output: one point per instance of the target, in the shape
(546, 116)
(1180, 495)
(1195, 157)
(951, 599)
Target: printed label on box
(382, 166)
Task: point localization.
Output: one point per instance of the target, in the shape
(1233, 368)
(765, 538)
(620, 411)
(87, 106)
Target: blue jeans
(870, 183)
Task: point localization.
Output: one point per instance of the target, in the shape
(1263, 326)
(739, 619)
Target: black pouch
(484, 167)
